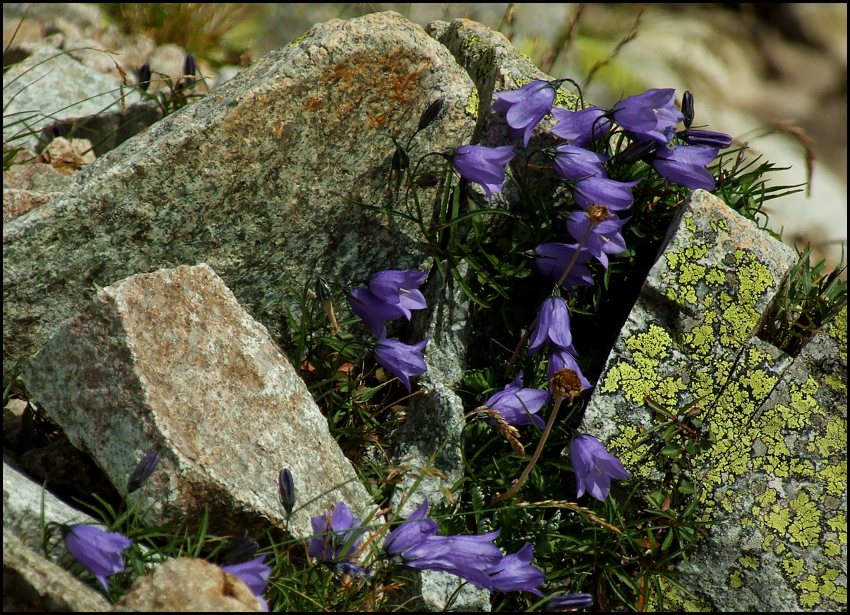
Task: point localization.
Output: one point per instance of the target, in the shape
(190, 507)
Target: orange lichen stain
(313, 103)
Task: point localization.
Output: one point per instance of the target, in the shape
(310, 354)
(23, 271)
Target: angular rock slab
(169, 360)
(33, 583)
(690, 341)
(253, 179)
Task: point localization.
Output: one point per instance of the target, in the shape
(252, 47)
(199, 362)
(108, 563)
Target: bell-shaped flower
(581, 127)
(465, 556)
(255, 574)
(560, 360)
(602, 238)
(650, 115)
(100, 552)
(391, 294)
(483, 165)
(552, 326)
(594, 467)
(515, 572)
(335, 534)
(518, 405)
(402, 360)
(575, 163)
(414, 530)
(613, 194)
(685, 165)
(552, 260)
(526, 106)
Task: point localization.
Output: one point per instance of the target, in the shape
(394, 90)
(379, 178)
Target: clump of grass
(198, 27)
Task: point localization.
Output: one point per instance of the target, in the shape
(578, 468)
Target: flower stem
(534, 458)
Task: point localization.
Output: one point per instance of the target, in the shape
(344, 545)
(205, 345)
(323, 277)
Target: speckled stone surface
(257, 179)
(773, 484)
(169, 360)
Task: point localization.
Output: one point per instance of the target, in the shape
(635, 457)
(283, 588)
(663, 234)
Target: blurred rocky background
(772, 75)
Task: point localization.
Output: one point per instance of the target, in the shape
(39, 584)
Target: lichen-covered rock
(188, 585)
(771, 471)
(261, 179)
(169, 360)
(33, 583)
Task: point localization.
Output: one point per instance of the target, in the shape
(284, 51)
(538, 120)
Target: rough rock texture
(253, 179)
(773, 483)
(32, 583)
(51, 88)
(188, 585)
(22, 512)
(169, 360)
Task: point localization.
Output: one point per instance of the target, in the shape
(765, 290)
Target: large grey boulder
(170, 361)
(770, 469)
(259, 179)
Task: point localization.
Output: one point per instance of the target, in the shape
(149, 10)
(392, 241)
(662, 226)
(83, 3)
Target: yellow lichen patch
(805, 520)
(838, 331)
(836, 383)
(748, 561)
(735, 579)
(633, 450)
(472, 103)
(833, 441)
(834, 478)
(793, 566)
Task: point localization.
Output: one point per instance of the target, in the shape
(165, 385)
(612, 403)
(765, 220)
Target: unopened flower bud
(144, 80)
(143, 470)
(688, 108)
(401, 160)
(286, 490)
(430, 114)
(427, 180)
(189, 68)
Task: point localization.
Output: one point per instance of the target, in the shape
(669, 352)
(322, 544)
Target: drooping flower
(650, 115)
(142, 471)
(552, 326)
(390, 294)
(483, 165)
(570, 602)
(100, 552)
(526, 106)
(286, 490)
(402, 360)
(581, 127)
(418, 546)
(553, 258)
(613, 194)
(255, 574)
(515, 572)
(604, 237)
(575, 163)
(594, 467)
(685, 165)
(560, 360)
(518, 405)
(336, 535)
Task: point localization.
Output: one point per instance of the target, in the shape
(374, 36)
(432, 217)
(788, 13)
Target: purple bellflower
(142, 471)
(518, 405)
(255, 574)
(335, 534)
(603, 239)
(391, 294)
(651, 115)
(694, 136)
(552, 260)
(613, 194)
(402, 360)
(483, 165)
(416, 542)
(526, 106)
(565, 359)
(685, 165)
(100, 552)
(552, 326)
(570, 602)
(575, 163)
(594, 467)
(581, 127)
(515, 572)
